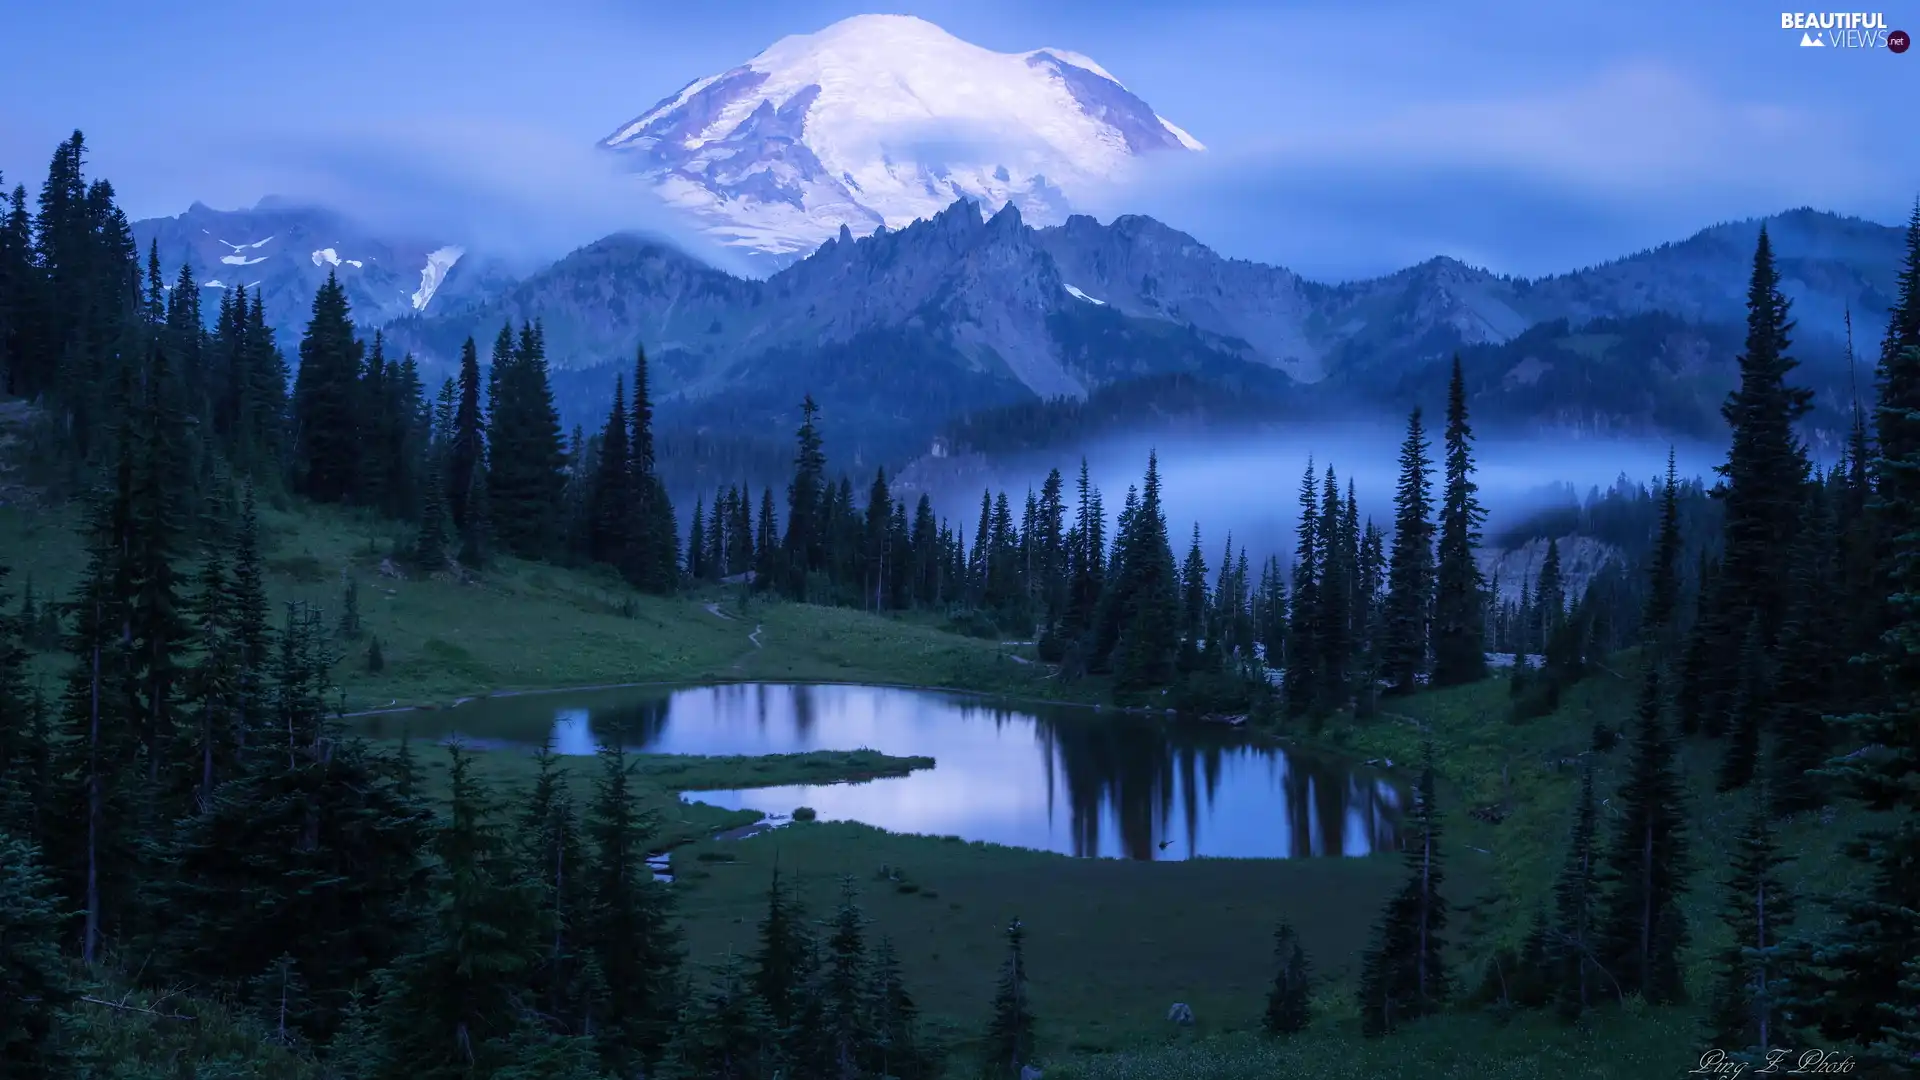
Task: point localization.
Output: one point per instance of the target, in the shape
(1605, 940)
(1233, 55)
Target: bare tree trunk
(91, 938)
(1646, 908)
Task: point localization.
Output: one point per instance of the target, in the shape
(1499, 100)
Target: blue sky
(1345, 139)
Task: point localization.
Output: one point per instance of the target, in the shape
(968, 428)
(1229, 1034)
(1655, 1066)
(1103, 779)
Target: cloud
(513, 191)
(1634, 128)
(1521, 182)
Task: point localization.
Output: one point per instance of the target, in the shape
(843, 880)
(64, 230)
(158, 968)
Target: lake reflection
(1068, 780)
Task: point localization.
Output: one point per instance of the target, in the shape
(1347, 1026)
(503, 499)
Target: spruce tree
(722, 1033)
(1746, 718)
(326, 401)
(843, 1035)
(35, 986)
(1333, 652)
(629, 934)
(1761, 490)
(1745, 1006)
(1403, 972)
(1871, 990)
(697, 542)
(1409, 601)
(653, 553)
(526, 460)
(1663, 582)
(1193, 603)
(1010, 1032)
(465, 444)
(458, 991)
(1642, 928)
(1289, 998)
(780, 962)
(1459, 601)
(1301, 679)
(1806, 672)
(1576, 906)
(898, 1048)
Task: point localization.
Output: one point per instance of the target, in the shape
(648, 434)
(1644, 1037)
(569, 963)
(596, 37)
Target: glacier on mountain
(881, 120)
(439, 261)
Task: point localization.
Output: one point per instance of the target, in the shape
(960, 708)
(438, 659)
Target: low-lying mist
(1249, 484)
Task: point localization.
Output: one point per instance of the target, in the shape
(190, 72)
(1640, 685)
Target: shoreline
(1131, 710)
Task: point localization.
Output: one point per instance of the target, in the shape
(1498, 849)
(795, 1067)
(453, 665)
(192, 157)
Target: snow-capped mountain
(881, 120)
(283, 252)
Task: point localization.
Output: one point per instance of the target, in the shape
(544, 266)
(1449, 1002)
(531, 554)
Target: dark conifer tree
(564, 980)
(1869, 985)
(843, 1037)
(1745, 1007)
(1642, 928)
(898, 1048)
(1761, 490)
(326, 401)
(93, 823)
(780, 963)
(629, 932)
(35, 985)
(466, 444)
(1576, 898)
(1289, 998)
(526, 460)
(1010, 1032)
(1403, 973)
(1146, 595)
(458, 991)
(1663, 586)
(697, 543)
(653, 556)
(722, 1033)
(1459, 602)
(1747, 713)
(1193, 603)
(766, 542)
(1409, 602)
(1333, 652)
(1303, 629)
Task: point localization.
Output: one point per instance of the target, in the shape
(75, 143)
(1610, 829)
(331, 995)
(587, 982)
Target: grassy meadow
(524, 626)
(1112, 943)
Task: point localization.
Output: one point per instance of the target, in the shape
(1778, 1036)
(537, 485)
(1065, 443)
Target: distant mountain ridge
(910, 329)
(283, 251)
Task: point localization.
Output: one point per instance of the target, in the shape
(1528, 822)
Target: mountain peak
(881, 120)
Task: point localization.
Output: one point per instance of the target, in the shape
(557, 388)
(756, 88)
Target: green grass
(526, 626)
(1614, 1046)
(660, 778)
(1111, 943)
(1483, 759)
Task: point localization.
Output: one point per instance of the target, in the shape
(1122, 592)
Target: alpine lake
(1076, 781)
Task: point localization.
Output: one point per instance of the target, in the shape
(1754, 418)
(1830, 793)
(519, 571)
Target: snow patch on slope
(330, 257)
(241, 260)
(434, 274)
(1078, 295)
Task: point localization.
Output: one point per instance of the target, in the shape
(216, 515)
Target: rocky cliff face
(1508, 570)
